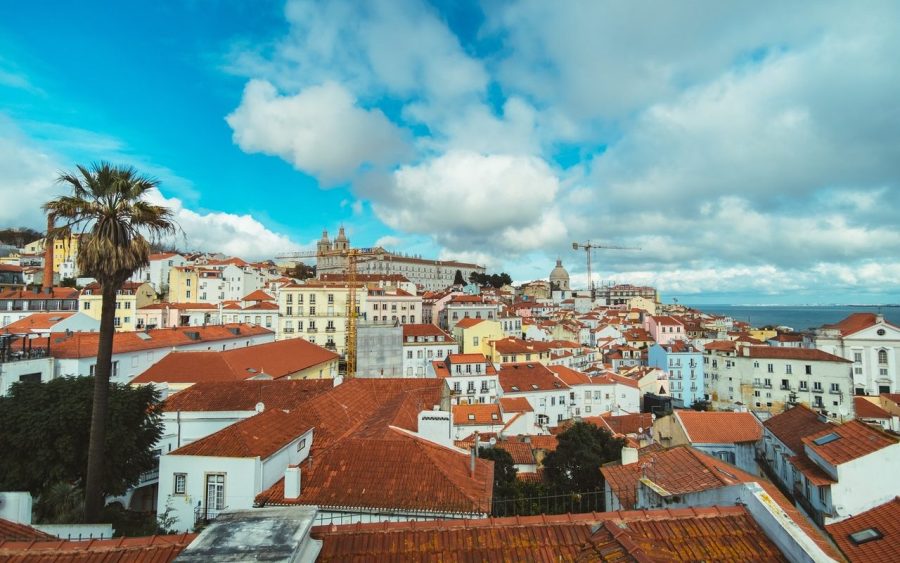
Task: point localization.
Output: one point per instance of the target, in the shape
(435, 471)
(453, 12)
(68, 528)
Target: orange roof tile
(244, 395)
(477, 414)
(425, 330)
(179, 306)
(794, 424)
(855, 323)
(258, 295)
(867, 409)
(719, 427)
(854, 440)
(469, 322)
(624, 424)
(813, 472)
(36, 322)
(467, 359)
(528, 377)
(30, 295)
(784, 353)
(13, 531)
(570, 376)
(261, 435)
(275, 359)
(84, 344)
(885, 519)
(150, 549)
(520, 452)
(515, 404)
(707, 534)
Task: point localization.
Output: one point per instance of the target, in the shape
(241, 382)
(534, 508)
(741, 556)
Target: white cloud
(228, 233)
(320, 130)
(474, 202)
(28, 174)
(389, 242)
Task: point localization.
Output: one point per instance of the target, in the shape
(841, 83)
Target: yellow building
(474, 335)
(515, 350)
(64, 254)
(643, 304)
(183, 284)
(131, 297)
(317, 312)
(762, 334)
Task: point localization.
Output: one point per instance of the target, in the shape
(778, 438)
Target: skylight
(867, 535)
(826, 439)
(534, 386)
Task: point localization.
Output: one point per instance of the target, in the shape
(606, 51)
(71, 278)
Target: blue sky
(751, 150)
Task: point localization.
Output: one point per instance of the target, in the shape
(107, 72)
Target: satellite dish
(260, 406)
(492, 441)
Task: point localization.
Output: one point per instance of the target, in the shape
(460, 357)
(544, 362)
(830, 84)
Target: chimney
(292, 483)
(629, 456)
(47, 283)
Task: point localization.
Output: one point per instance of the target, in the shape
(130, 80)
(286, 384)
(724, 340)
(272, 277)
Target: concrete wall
(379, 350)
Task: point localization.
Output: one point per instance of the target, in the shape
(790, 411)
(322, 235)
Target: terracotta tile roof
(520, 452)
(244, 395)
(467, 359)
(720, 346)
(692, 534)
(719, 427)
(29, 295)
(275, 359)
(397, 471)
(36, 322)
(515, 404)
(84, 344)
(794, 424)
(150, 549)
(261, 435)
(570, 376)
(784, 353)
(855, 323)
(788, 337)
(538, 441)
(469, 322)
(813, 472)
(262, 306)
(885, 519)
(258, 295)
(855, 440)
(531, 476)
(666, 320)
(13, 531)
(528, 378)
(416, 330)
(161, 255)
(867, 409)
(179, 306)
(613, 378)
(477, 414)
(624, 424)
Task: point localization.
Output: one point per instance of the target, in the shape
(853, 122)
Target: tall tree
(458, 279)
(45, 427)
(574, 467)
(108, 207)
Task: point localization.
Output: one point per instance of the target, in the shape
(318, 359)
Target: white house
(423, 344)
(729, 436)
(873, 346)
(549, 396)
(228, 469)
(471, 378)
(157, 272)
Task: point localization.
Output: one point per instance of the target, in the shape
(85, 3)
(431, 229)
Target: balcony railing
(312, 329)
(148, 477)
(329, 329)
(203, 515)
(818, 390)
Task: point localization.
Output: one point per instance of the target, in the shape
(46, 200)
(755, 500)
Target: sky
(751, 150)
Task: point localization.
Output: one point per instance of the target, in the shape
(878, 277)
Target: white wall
(857, 491)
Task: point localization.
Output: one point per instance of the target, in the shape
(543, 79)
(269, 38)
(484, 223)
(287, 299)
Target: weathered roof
(477, 414)
(150, 549)
(867, 409)
(692, 534)
(719, 427)
(244, 395)
(854, 440)
(794, 424)
(275, 359)
(885, 519)
(787, 353)
(260, 436)
(529, 377)
(855, 323)
(13, 531)
(515, 404)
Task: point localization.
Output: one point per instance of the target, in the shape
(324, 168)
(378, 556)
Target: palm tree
(108, 210)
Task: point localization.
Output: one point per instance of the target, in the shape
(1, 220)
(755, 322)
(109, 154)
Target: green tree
(574, 467)
(107, 203)
(46, 425)
(700, 405)
(458, 279)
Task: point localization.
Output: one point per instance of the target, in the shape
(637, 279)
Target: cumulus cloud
(228, 233)
(470, 201)
(319, 130)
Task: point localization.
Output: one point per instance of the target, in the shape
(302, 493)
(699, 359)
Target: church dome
(559, 277)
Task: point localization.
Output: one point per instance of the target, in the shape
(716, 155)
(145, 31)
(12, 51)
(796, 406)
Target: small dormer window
(471, 416)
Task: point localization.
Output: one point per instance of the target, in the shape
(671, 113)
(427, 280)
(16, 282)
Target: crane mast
(353, 256)
(588, 247)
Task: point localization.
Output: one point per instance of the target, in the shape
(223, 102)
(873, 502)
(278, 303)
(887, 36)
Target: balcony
(288, 330)
(312, 329)
(835, 392)
(329, 329)
(148, 477)
(767, 386)
(785, 387)
(818, 390)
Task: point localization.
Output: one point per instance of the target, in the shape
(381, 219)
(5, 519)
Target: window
(301, 444)
(857, 357)
(882, 357)
(787, 369)
(817, 386)
(215, 492)
(409, 354)
(87, 305)
(803, 386)
(180, 483)
(771, 368)
(808, 369)
(835, 388)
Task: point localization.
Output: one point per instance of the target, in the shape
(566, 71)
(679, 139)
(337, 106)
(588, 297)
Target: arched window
(882, 356)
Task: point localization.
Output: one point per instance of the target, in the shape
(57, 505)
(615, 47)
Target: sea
(798, 317)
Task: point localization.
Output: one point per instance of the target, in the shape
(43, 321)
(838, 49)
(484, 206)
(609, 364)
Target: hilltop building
(430, 274)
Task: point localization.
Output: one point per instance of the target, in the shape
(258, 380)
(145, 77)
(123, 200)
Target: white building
(467, 306)
(606, 393)
(872, 344)
(157, 272)
(423, 344)
(549, 396)
(391, 306)
(471, 378)
(769, 377)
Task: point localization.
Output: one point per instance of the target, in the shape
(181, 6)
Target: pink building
(664, 329)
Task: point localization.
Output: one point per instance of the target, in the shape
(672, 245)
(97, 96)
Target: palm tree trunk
(93, 489)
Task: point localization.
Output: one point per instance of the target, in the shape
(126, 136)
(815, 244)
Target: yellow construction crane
(590, 246)
(353, 256)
